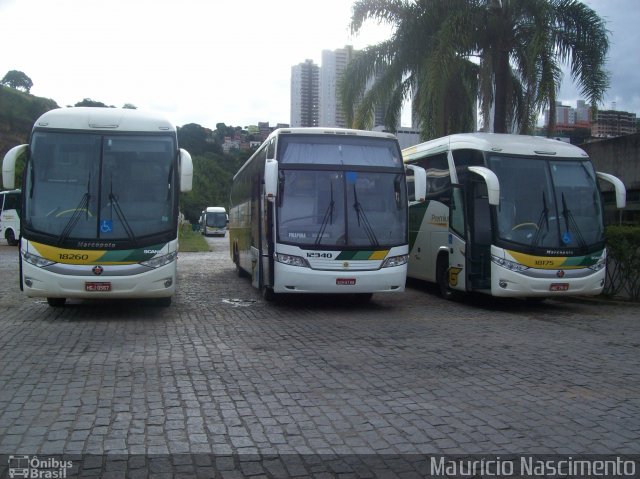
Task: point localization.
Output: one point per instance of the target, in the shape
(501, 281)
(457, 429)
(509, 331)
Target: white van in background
(10, 216)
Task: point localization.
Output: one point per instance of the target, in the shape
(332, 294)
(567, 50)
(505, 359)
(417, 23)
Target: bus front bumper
(583, 282)
(296, 279)
(155, 283)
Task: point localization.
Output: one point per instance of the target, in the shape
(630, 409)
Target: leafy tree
(451, 53)
(18, 80)
(212, 175)
(94, 103)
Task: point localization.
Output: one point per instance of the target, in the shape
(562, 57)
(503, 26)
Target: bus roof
(330, 131)
(215, 209)
(317, 130)
(496, 142)
(105, 119)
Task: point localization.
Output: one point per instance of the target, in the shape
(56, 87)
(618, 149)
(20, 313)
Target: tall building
(305, 90)
(611, 123)
(315, 91)
(333, 66)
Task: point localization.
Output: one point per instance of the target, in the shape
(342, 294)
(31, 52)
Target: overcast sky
(211, 61)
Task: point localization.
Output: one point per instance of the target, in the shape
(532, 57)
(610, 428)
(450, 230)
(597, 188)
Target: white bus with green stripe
(100, 205)
(508, 215)
(322, 210)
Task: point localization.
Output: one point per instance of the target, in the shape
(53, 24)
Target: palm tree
(506, 54)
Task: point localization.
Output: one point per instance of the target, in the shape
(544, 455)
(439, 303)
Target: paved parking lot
(225, 373)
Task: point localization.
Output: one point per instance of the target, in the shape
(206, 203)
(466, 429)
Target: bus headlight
(36, 260)
(599, 265)
(510, 265)
(395, 261)
(160, 260)
(292, 260)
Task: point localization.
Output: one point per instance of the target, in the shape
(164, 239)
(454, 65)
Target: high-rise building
(305, 90)
(333, 66)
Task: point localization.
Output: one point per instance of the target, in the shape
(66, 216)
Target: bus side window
(438, 177)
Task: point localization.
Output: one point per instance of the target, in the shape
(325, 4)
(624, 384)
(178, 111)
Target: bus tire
(442, 268)
(268, 294)
(56, 302)
(164, 302)
(11, 238)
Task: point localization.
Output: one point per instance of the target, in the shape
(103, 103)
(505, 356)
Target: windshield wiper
(328, 217)
(571, 223)
(125, 224)
(544, 216)
(83, 205)
(360, 214)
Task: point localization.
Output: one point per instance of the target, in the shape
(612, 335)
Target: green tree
(93, 103)
(18, 80)
(506, 54)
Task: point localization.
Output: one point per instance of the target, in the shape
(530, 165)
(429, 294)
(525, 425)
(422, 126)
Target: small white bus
(214, 221)
(10, 216)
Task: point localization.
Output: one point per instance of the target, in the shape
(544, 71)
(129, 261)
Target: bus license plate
(345, 281)
(559, 287)
(97, 286)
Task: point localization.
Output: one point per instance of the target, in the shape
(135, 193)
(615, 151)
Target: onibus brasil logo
(36, 468)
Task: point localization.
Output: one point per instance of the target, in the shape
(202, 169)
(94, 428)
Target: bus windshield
(106, 187)
(339, 150)
(216, 220)
(548, 203)
(336, 209)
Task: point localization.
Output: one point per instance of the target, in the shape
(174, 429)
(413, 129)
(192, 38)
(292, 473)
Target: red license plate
(97, 286)
(559, 287)
(345, 281)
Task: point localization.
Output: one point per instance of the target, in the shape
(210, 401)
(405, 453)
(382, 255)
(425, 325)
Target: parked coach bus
(10, 216)
(508, 215)
(322, 210)
(100, 205)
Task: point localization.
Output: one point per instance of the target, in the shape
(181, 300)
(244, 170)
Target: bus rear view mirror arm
(621, 192)
(9, 166)
(419, 181)
(186, 171)
(270, 179)
(493, 185)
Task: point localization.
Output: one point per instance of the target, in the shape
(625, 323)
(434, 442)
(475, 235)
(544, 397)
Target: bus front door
(457, 271)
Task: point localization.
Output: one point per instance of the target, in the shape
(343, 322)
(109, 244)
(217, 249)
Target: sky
(213, 61)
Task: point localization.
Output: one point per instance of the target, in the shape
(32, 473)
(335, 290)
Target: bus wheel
(442, 267)
(56, 302)
(11, 238)
(268, 294)
(362, 298)
(164, 302)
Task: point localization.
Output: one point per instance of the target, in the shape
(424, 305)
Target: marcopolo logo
(37, 468)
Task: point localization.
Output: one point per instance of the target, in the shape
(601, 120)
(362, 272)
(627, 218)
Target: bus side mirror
(9, 166)
(419, 182)
(186, 171)
(271, 179)
(493, 184)
(621, 191)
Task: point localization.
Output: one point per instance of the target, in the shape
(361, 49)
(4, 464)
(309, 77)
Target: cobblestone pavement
(223, 372)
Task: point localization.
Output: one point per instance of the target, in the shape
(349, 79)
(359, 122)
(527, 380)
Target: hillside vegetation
(18, 112)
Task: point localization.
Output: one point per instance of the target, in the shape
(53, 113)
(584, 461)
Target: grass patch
(191, 241)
